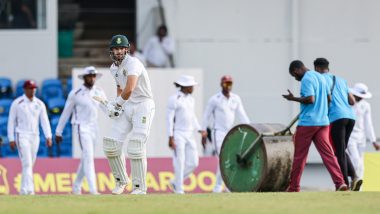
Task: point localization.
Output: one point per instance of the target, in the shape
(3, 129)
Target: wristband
(120, 101)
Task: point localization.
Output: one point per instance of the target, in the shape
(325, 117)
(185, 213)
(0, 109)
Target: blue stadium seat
(3, 135)
(65, 148)
(20, 88)
(3, 125)
(2, 154)
(67, 131)
(51, 82)
(8, 153)
(43, 150)
(5, 106)
(69, 86)
(55, 105)
(5, 88)
(6, 149)
(51, 92)
(51, 88)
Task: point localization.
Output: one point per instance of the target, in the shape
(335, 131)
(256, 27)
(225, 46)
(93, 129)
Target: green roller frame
(257, 157)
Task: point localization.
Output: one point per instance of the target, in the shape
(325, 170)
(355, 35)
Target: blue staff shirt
(339, 107)
(316, 114)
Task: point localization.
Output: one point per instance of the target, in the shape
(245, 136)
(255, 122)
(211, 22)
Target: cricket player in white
(132, 114)
(182, 123)
(83, 110)
(363, 128)
(26, 112)
(221, 108)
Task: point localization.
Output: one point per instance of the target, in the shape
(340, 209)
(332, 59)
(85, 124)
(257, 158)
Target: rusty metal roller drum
(257, 157)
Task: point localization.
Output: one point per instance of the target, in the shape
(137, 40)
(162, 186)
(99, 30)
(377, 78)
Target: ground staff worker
(26, 112)
(342, 120)
(313, 125)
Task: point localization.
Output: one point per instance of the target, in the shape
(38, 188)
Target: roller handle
(242, 158)
(287, 129)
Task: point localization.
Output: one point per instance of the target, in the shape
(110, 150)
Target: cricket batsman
(132, 113)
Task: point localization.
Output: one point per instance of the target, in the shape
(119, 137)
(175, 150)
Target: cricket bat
(101, 100)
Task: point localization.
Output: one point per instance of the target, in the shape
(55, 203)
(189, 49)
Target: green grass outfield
(306, 202)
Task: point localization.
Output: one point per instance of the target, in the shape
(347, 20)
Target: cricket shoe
(119, 188)
(173, 188)
(138, 192)
(76, 191)
(218, 189)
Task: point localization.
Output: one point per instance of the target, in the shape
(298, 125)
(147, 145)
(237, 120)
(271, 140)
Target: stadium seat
(3, 135)
(8, 153)
(20, 88)
(65, 148)
(69, 86)
(42, 150)
(5, 105)
(51, 82)
(51, 88)
(1, 150)
(55, 105)
(3, 125)
(5, 88)
(6, 150)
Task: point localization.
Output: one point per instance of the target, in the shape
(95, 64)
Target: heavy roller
(257, 157)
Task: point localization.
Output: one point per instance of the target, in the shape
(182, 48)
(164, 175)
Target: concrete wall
(31, 53)
(254, 41)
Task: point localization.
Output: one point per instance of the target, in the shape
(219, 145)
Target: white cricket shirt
(222, 111)
(363, 128)
(25, 116)
(132, 66)
(181, 114)
(157, 52)
(82, 107)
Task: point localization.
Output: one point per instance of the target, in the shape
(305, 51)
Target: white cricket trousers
(356, 151)
(86, 137)
(218, 137)
(185, 157)
(135, 122)
(27, 145)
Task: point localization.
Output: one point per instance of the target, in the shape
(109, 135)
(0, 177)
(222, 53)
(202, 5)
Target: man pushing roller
(312, 126)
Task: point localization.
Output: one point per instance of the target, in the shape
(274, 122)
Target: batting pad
(113, 151)
(138, 170)
(136, 149)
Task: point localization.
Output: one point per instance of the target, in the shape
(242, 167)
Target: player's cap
(226, 78)
(361, 90)
(89, 70)
(186, 81)
(30, 84)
